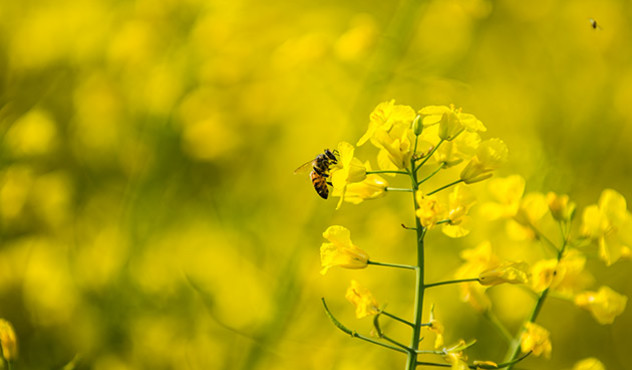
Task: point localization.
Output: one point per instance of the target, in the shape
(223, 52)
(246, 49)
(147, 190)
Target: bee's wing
(304, 168)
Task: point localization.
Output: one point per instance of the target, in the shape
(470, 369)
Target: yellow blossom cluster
(420, 144)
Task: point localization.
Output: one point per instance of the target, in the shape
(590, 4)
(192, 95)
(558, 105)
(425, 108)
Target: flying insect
(320, 171)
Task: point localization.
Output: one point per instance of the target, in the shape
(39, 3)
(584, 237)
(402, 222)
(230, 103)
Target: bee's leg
(332, 155)
(329, 183)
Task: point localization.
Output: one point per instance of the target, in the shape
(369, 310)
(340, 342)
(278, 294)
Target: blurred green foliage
(149, 217)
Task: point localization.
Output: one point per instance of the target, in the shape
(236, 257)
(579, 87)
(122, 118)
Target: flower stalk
(514, 346)
(411, 362)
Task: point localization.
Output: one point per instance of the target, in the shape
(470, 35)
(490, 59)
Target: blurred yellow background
(149, 215)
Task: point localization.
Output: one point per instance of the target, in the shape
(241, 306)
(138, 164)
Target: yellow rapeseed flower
(460, 200)
(609, 225)
(430, 210)
(384, 117)
(455, 356)
(8, 341)
(532, 208)
(571, 275)
(372, 187)
(456, 359)
(396, 146)
(562, 209)
(604, 305)
(347, 171)
(543, 273)
(536, 339)
(507, 192)
(477, 260)
(365, 303)
(451, 121)
(437, 328)
(490, 155)
(340, 251)
(451, 153)
(589, 363)
(506, 272)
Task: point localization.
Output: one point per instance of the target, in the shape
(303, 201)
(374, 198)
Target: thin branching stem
(424, 363)
(415, 169)
(514, 347)
(353, 334)
(445, 186)
(387, 171)
(541, 236)
(432, 174)
(380, 333)
(478, 366)
(429, 352)
(451, 282)
(395, 265)
(397, 318)
(491, 316)
(406, 190)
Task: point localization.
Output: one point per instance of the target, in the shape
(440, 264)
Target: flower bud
(450, 126)
(560, 207)
(417, 126)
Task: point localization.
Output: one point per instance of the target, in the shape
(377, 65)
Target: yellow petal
(450, 126)
(338, 234)
(536, 339)
(589, 363)
(594, 222)
(340, 251)
(560, 206)
(431, 115)
(604, 305)
(8, 341)
(613, 206)
(471, 123)
(507, 272)
(366, 304)
(542, 274)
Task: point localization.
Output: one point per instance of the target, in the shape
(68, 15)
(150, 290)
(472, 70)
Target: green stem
(380, 333)
(541, 236)
(395, 265)
(411, 362)
(450, 282)
(432, 174)
(397, 318)
(356, 335)
(514, 347)
(423, 363)
(445, 187)
(499, 325)
(415, 169)
(477, 367)
(429, 352)
(386, 171)
(407, 190)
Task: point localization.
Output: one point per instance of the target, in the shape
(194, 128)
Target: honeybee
(320, 171)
